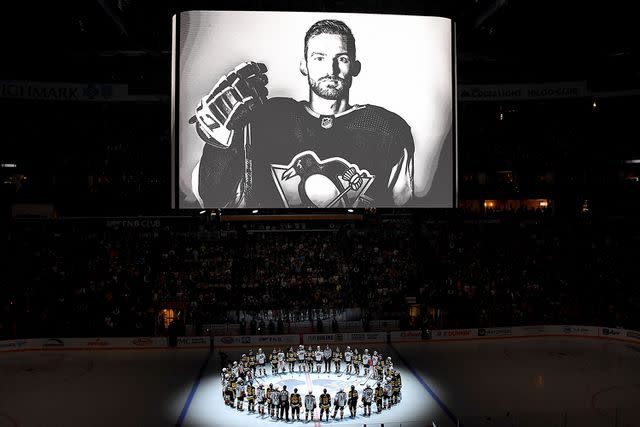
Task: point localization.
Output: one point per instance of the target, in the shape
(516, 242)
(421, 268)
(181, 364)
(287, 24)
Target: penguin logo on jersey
(310, 182)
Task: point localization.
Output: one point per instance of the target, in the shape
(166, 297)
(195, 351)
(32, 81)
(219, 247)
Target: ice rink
(515, 382)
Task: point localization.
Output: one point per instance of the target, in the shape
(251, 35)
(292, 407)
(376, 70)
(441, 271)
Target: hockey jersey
(261, 395)
(295, 400)
(358, 158)
(309, 402)
(367, 395)
(341, 398)
(325, 400)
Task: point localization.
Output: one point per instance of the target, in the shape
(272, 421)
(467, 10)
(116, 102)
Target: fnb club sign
(610, 332)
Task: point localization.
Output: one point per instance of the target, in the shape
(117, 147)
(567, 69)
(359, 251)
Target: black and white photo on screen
(331, 110)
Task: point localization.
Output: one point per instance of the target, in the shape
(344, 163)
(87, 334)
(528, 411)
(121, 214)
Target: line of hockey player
(278, 402)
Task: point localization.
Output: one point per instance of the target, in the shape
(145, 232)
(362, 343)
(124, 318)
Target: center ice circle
(354, 390)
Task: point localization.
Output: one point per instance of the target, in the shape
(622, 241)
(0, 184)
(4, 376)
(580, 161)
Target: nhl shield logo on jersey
(308, 181)
(326, 122)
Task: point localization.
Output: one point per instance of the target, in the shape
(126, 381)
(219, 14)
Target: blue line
(435, 397)
(192, 393)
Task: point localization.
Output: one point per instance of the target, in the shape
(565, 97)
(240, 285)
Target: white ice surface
(530, 382)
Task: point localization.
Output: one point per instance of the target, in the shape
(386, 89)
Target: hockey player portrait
(325, 151)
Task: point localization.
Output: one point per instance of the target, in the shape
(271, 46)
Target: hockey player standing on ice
(269, 405)
(249, 376)
(388, 366)
(296, 402)
(284, 404)
(353, 400)
(340, 400)
(377, 367)
(319, 355)
(396, 383)
(327, 359)
(252, 360)
(388, 394)
(357, 358)
(379, 393)
(337, 359)
(309, 405)
(348, 356)
(260, 361)
(301, 355)
(274, 362)
(325, 403)
(261, 397)
(366, 358)
(251, 397)
(309, 358)
(275, 402)
(291, 358)
(240, 393)
(281, 361)
(367, 397)
(324, 152)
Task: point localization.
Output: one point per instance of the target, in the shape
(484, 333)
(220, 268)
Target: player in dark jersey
(324, 152)
(325, 403)
(353, 400)
(296, 402)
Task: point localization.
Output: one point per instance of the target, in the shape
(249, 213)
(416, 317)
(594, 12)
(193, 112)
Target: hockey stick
(248, 163)
(366, 380)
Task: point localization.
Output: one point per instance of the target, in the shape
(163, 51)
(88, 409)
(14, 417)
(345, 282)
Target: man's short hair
(331, 26)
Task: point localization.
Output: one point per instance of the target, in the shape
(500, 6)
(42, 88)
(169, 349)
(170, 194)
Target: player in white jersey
(261, 397)
(249, 376)
(222, 375)
(366, 358)
(367, 398)
(260, 360)
(327, 359)
(375, 363)
(281, 362)
(275, 402)
(348, 357)
(319, 355)
(388, 394)
(340, 400)
(301, 354)
(388, 366)
(309, 405)
(240, 393)
(234, 369)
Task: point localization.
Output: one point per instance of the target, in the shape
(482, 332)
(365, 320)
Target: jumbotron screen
(313, 110)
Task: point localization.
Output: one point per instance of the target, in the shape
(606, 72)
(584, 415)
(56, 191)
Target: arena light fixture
(255, 211)
(350, 210)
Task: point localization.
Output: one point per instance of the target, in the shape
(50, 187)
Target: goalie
(324, 152)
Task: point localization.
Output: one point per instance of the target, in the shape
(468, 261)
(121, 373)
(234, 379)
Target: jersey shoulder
(380, 119)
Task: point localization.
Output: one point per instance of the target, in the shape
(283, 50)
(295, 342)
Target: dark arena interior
(220, 214)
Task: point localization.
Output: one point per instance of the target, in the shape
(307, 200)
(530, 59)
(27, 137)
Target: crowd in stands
(110, 278)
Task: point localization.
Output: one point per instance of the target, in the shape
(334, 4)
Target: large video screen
(313, 110)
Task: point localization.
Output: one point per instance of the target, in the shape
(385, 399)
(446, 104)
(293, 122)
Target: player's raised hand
(228, 106)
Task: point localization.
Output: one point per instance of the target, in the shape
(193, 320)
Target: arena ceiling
(498, 40)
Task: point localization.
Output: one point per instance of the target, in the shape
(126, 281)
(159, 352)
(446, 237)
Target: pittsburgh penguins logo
(332, 183)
